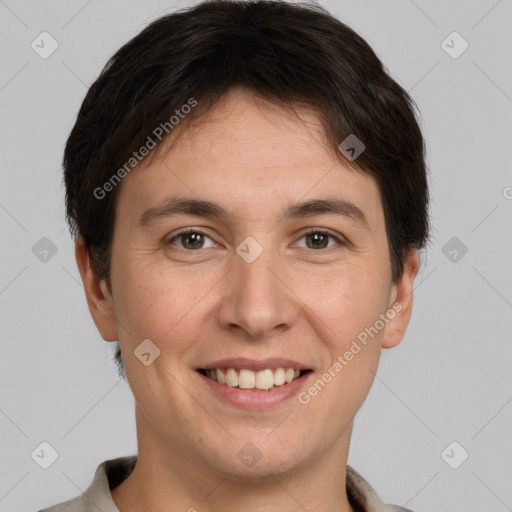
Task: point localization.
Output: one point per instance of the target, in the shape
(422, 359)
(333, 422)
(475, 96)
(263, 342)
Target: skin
(294, 301)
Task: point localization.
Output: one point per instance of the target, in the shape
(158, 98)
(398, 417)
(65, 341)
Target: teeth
(247, 379)
(279, 377)
(232, 378)
(264, 379)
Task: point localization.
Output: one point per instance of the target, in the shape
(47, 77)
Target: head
(248, 105)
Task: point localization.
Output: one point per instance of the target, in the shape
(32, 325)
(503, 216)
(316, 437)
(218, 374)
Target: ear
(98, 297)
(401, 298)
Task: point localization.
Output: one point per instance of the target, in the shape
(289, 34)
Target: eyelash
(308, 232)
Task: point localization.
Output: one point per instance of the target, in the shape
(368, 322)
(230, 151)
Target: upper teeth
(247, 379)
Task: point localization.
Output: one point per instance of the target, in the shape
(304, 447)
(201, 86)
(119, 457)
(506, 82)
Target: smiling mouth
(263, 380)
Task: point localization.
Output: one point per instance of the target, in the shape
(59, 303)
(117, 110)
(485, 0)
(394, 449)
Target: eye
(318, 239)
(190, 239)
(193, 239)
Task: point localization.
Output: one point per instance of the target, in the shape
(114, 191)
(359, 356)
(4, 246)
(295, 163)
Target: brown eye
(189, 240)
(316, 239)
(192, 240)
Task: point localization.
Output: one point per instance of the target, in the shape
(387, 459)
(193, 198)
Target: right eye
(191, 239)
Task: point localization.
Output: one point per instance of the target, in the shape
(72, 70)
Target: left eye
(319, 239)
(193, 239)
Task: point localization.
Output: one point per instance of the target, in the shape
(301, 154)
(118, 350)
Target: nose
(258, 298)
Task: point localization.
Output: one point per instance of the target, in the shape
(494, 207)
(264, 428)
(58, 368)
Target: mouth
(249, 380)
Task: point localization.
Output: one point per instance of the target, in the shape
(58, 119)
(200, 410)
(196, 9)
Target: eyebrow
(210, 209)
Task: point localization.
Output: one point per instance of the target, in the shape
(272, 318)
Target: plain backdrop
(450, 379)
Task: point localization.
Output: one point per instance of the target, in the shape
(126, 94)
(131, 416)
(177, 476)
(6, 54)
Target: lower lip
(256, 400)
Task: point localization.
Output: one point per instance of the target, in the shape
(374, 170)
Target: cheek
(156, 303)
(344, 305)
(344, 301)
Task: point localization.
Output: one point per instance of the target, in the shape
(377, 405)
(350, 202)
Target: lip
(255, 400)
(254, 364)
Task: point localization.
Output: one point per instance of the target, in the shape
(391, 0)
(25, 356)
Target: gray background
(450, 379)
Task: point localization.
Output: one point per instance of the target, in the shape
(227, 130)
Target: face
(257, 284)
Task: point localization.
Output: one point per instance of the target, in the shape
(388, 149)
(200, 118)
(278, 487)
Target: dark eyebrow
(203, 208)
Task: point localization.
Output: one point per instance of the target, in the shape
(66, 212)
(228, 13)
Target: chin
(260, 455)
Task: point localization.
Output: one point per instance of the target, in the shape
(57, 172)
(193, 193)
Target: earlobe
(98, 297)
(401, 300)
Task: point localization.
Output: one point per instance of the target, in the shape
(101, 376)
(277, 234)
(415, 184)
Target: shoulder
(363, 497)
(74, 505)
(97, 496)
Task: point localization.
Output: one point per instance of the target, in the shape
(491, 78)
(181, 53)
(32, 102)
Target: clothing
(111, 473)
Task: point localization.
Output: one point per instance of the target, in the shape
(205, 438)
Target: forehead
(243, 127)
(249, 155)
